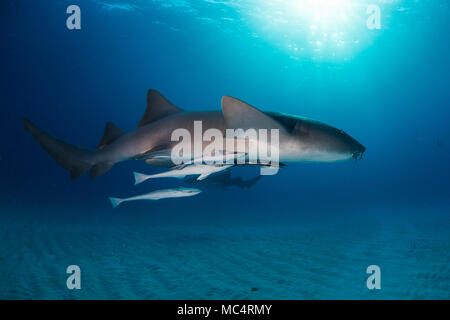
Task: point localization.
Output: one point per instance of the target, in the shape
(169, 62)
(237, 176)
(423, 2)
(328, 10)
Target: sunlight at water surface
(324, 30)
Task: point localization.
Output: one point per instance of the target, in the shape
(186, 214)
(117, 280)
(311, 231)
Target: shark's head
(310, 140)
(300, 139)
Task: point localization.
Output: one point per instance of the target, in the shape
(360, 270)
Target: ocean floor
(304, 259)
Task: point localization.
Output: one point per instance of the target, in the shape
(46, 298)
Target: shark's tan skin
(300, 139)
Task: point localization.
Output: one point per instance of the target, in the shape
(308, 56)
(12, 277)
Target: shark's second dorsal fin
(111, 133)
(157, 107)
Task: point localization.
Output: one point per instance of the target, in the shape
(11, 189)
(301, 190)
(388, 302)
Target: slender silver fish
(220, 158)
(159, 194)
(202, 170)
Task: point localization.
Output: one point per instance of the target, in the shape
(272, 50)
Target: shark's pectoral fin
(265, 164)
(240, 115)
(100, 169)
(157, 107)
(160, 162)
(158, 151)
(110, 134)
(160, 156)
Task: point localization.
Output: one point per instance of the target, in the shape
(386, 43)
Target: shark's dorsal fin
(239, 114)
(157, 107)
(110, 134)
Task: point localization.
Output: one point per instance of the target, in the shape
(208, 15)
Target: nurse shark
(300, 139)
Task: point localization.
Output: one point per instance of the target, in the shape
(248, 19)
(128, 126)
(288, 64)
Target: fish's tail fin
(116, 201)
(140, 177)
(203, 176)
(76, 160)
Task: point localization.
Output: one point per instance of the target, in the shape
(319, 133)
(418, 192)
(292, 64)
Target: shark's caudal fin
(76, 160)
(115, 201)
(139, 177)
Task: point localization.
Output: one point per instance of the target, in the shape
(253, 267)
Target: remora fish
(203, 170)
(300, 139)
(220, 158)
(159, 194)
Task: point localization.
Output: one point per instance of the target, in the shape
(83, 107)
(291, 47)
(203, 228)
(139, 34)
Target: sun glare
(314, 29)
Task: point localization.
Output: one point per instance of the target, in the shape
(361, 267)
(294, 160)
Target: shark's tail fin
(115, 201)
(76, 160)
(139, 177)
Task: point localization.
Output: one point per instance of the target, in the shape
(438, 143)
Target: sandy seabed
(312, 259)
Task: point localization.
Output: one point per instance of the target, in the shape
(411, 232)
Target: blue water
(308, 232)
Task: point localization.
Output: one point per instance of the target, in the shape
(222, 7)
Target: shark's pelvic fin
(239, 114)
(100, 168)
(110, 134)
(157, 107)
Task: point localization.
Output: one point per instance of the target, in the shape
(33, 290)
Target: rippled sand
(306, 260)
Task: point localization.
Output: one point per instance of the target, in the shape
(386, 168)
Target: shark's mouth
(357, 155)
